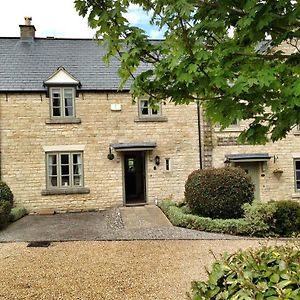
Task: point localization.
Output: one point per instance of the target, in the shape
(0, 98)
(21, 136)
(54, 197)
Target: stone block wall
(273, 185)
(24, 132)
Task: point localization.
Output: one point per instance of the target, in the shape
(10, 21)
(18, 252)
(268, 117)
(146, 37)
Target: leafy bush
(260, 216)
(266, 273)
(17, 213)
(6, 203)
(218, 193)
(5, 193)
(287, 218)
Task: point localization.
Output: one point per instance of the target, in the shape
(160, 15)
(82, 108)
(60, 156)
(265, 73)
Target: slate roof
(25, 64)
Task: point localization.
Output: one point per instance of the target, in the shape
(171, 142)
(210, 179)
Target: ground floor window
(64, 169)
(297, 175)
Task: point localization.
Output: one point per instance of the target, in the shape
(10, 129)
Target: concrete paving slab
(149, 216)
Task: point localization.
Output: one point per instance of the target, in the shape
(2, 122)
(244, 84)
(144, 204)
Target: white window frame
(297, 178)
(62, 106)
(150, 113)
(234, 126)
(71, 175)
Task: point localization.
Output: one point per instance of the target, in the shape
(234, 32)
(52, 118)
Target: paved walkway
(125, 223)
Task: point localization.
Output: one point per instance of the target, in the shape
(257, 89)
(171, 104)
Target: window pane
(52, 170)
(52, 159)
(298, 175)
(65, 181)
(77, 169)
(56, 102)
(297, 163)
(76, 158)
(68, 102)
(298, 185)
(56, 112)
(64, 159)
(77, 181)
(69, 111)
(68, 93)
(154, 111)
(53, 181)
(64, 170)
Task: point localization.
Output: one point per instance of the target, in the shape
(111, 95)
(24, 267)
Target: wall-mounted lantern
(110, 155)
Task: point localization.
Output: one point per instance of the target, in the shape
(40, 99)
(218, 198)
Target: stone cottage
(71, 141)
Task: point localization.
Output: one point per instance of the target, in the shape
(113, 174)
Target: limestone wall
(273, 185)
(25, 133)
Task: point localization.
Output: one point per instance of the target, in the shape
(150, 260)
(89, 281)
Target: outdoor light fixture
(110, 155)
(157, 160)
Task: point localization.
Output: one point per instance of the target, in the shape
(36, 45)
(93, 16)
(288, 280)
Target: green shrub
(287, 218)
(6, 203)
(218, 193)
(5, 193)
(260, 217)
(178, 217)
(267, 273)
(17, 213)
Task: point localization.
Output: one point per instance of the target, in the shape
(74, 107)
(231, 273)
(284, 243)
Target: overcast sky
(57, 18)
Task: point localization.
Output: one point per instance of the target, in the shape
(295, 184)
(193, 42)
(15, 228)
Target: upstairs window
(146, 111)
(62, 102)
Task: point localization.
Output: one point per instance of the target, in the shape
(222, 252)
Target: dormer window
(62, 102)
(62, 89)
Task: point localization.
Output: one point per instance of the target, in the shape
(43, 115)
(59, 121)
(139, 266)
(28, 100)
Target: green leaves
(240, 76)
(253, 274)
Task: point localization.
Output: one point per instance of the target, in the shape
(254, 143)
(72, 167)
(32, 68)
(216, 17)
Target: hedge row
(260, 219)
(231, 226)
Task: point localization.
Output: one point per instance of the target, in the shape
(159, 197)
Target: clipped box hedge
(260, 219)
(231, 226)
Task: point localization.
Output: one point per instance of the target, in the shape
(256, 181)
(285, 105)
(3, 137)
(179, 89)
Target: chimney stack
(27, 31)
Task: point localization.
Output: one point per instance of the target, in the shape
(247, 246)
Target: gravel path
(135, 270)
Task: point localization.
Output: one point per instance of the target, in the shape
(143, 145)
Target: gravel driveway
(135, 270)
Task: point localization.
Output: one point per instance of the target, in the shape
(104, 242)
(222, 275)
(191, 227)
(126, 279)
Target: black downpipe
(199, 135)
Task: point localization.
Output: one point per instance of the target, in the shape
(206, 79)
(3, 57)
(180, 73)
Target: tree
(237, 75)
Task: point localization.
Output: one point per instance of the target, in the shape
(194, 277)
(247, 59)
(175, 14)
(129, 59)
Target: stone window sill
(296, 195)
(297, 133)
(63, 121)
(65, 191)
(229, 129)
(151, 119)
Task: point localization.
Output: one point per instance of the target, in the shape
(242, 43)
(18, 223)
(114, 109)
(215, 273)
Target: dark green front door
(135, 186)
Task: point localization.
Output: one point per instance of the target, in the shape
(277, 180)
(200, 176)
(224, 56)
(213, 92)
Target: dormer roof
(62, 77)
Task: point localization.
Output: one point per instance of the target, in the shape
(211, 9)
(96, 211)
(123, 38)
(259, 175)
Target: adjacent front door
(253, 171)
(134, 178)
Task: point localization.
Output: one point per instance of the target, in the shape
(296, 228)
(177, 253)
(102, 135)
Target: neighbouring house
(71, 141)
